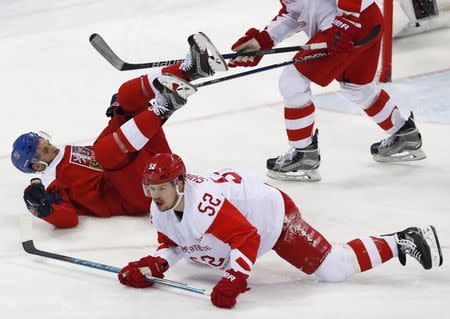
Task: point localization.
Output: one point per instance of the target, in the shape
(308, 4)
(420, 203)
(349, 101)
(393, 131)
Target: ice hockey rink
(52, 79)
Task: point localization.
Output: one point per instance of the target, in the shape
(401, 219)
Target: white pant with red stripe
(356, 256)
(299, 110)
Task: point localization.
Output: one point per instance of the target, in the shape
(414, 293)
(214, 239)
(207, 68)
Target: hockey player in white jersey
(228, 219)
(339, 23)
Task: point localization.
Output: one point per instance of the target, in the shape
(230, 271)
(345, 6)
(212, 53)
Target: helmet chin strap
(180, 196)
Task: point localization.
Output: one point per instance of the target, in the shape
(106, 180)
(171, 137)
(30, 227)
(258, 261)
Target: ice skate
(172, 93)
(420, 243)
(404, 145)
(203, 59)
(297, 164)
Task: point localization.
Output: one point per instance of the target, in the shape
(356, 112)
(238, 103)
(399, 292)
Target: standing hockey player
(339, 26)
(228, 219)
(106, 179)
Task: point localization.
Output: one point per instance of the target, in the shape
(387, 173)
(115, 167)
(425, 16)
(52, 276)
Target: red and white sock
(370, 252)
(134, 134)
(300, 124)
(385, 113)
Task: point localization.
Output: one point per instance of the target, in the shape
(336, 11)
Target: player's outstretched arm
(231, 227)
(282, 26)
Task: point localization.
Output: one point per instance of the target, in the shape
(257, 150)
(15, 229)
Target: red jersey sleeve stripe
(241, 262)
(165, 241)
(231, 227)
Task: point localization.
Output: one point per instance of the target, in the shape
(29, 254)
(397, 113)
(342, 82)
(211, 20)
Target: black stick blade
(102, 47)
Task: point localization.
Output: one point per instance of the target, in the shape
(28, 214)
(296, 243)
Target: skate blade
(216, 61)
(430, 235)
(174, 83)
(300, 176)
(407, 156)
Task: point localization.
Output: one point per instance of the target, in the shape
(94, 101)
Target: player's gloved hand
(36, 199)
(341, 34)
(225, 292)
(253, 40)
(116, 111)
(133, 274)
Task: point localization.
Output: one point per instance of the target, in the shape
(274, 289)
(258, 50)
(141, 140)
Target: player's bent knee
(108, 154)
(336, 266)
(361, 95)
(294, 87)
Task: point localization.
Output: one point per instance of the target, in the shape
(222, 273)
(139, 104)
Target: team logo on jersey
(151, 166)
(84, 156)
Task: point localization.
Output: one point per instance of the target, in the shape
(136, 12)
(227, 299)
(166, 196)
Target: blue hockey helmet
(23, 152)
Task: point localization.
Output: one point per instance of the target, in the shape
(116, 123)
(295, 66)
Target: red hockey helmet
(163, 168)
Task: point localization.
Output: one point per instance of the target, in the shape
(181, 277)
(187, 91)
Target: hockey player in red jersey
(339, 23)
(228, 219)
(105, 179)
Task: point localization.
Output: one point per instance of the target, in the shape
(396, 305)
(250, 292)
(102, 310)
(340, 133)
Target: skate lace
(160, 105)
(187, 63)
(387, 141)
(409, 248)
(286, 157)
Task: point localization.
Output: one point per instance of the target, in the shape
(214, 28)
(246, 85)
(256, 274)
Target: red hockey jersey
(84, 188)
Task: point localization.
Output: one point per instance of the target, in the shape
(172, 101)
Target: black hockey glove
(116, 110)
(36, 199)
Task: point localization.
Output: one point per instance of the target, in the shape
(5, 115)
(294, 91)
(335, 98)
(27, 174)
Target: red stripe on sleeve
(165, 242)
(231, 227)
(361, 253)
(241, 262)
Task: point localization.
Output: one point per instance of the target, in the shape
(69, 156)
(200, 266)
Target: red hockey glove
(225, 292)
(253, 40)
(340, 35)
(132, 274)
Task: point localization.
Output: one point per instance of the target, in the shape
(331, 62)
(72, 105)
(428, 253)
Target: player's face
(164, 195)
(45, 152)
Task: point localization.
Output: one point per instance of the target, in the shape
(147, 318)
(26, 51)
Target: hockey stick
(372, 34)
(26, 229)
(105, 50)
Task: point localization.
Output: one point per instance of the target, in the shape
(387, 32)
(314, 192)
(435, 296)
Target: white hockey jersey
(229, 219)
(311, 16)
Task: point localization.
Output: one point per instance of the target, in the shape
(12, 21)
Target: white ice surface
(52, 79)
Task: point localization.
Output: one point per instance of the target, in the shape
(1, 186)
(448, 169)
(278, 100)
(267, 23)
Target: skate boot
(404, 145)
(172, 93)
(203, 60)
(420, 243)
(297, 164)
